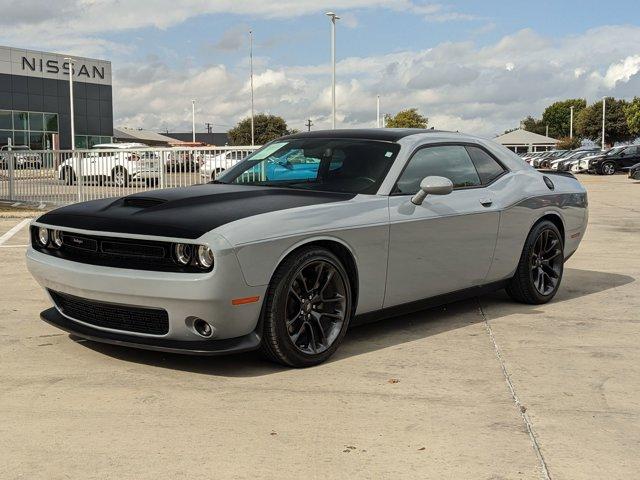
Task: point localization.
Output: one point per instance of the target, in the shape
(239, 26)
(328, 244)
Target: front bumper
(184, 296)
(245, 343)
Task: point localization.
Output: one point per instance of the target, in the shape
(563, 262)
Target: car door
(630, 158)
(447, 243)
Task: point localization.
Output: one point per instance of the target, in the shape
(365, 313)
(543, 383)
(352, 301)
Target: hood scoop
(143, 202)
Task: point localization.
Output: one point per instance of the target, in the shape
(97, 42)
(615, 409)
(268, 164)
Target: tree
(568, 143)
(632, 114)
(266, 128)
(558, 116)
(409, 118)
(589, 122)
(531, 124)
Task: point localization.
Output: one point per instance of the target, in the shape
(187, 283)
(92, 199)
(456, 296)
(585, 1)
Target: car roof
(382, 134)
(120, 145)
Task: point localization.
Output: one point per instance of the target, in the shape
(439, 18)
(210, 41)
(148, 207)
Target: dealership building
(34, 100)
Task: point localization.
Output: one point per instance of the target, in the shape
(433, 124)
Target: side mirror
(432, 186)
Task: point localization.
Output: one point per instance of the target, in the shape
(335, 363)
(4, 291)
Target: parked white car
(212, 165)
(23, 157)
(118, 163)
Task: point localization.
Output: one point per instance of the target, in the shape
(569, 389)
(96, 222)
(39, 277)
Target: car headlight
(205, 257)
(183, 253)
(43, 236)
(56, 238)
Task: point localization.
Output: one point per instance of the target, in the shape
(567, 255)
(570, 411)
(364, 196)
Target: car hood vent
(143, 202)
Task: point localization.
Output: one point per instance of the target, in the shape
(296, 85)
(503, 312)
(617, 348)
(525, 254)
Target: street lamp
(70, 62)
(604, 107)
(378, 111)
(571, 123)
(333, 18)
(193, 121)
(251, 81)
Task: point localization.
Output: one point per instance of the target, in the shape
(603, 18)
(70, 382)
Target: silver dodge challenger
(312, 233)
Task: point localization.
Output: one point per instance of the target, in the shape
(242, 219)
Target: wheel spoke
(323, 335)
(553, 255)
(295, 294)
(294, 319)
(312, 338)
(327, 281)
(296, 335)
(320, 270)
(549, 271)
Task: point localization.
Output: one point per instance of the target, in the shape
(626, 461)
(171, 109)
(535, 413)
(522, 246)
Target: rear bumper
(244, 343)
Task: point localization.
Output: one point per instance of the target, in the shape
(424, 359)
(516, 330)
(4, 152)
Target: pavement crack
(521, 408)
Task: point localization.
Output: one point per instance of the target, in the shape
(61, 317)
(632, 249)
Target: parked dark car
(634, 172)
(615, 160)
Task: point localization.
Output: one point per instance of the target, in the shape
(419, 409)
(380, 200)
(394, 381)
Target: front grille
(116, 252)
(111, 315)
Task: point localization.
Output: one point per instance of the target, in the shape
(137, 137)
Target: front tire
(307, 309)
(541, 266)
(608, 168)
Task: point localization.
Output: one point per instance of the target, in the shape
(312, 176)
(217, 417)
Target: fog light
(183, 253)
(56, 238)
(202, 328)
(205, 257)
(43, 236)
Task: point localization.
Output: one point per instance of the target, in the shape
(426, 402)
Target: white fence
(65, 176)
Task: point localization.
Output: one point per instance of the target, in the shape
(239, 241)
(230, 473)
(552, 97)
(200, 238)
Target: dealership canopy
(522, 140)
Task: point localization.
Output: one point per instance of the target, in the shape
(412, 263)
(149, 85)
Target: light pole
(251, 81)
(193, 121)
(604, 108)
(571, 123)
(333, 18)
(378, 111)
(70, 62)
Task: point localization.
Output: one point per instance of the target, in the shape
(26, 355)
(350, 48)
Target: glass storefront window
(51, 122)
(36, 141)
(6, 122)
(35, 122)
(81, 141)
(20, 121)
(21, 138)
(93, 141)
(5, 135)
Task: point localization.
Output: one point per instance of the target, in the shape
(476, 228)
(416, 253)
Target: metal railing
(64, 176)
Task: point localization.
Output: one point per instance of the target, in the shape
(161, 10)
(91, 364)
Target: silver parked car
(308, 235)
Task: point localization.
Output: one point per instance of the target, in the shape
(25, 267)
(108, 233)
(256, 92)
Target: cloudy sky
(472, 66)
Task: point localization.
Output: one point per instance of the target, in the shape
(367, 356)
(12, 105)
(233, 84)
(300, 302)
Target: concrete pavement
(481, 389)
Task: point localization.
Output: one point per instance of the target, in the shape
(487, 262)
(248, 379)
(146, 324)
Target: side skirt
(426, 303)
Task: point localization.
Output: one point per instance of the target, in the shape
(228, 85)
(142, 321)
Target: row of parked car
(121, 164)
(624, 158)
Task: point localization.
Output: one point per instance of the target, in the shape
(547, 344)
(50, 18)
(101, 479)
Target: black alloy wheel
(539, 272)
(307, 309)
(546, 262)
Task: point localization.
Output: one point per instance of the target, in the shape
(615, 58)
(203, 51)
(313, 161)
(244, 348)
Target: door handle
(486, 202)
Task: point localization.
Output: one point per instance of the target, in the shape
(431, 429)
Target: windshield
(334, 165)
(614, 151)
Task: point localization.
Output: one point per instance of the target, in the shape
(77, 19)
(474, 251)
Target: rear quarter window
(488, 167)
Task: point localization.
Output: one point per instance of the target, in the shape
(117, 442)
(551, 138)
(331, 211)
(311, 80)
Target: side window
(450, 161)
(486, 165)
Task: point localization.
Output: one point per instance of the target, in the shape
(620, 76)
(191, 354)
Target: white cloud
(623, 71)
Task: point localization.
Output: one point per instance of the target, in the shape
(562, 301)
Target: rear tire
(307, 308)
(541, 266)
(120, 177)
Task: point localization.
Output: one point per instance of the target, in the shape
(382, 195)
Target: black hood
(183, 212)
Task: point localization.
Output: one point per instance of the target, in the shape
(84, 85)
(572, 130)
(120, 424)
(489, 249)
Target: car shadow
(374, 336)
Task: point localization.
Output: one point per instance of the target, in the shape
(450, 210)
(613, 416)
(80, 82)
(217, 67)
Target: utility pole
(251, 81)
(309, 124)
(571, 123)
(71, 112)
(193, 121)
(208, 125)
(378, 111)
(333, 18)
(604, 108)
(547, 131)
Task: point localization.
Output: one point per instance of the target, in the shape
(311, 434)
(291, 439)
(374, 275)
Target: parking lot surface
(479, 389)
